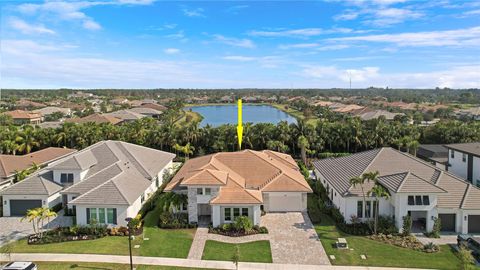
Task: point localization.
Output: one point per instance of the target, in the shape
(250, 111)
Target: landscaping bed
(409, 241)
(241, 227)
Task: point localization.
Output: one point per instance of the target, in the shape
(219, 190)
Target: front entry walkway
(293, 239)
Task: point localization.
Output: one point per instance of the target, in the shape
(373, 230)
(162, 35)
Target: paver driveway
(12, 228)
(293, 239)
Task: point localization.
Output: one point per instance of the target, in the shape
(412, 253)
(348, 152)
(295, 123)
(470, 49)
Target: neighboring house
(125, 115)
(108, 181)
(146, 111)
(417, 188)
(378, 113)
(154, 106)
(437, 154)
(25, 104)
(20, 117)
(224, 186)
(11, 164)
(464, 161)
(51, 110)
(95, 118)
(473, 113)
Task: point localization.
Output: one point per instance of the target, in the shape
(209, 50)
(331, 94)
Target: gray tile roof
(470, 148)
(40, 183)
(401, 172)
(81, 161)
(432, 151)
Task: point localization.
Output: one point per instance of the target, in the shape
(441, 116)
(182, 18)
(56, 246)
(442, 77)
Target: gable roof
(11, 163)
(242, 175)
(37, 184)
(399, 172)
(95, 118)
(20, 114)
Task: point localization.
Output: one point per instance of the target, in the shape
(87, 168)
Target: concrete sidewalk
(53, 257)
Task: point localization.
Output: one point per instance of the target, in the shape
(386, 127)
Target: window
(360, 209)
(228, 214)
(245, 212)
(208, 191)
(93, 214)
(464, 157)
(426, 200)
(199, 191)
(184, 206)
(101, 215)
(375, 208)
(236, 213)
(111, 216)
(142, 198)
(410, 200)
(368, 209)
(452, 154)
(418, 200)
(157, 182)
(66, 178)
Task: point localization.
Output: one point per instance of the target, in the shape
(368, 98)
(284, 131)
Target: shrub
(227, 227)
(431, 248)
(263, 230)
(437, 226)
(386, 225)
(407, 225)
(243, 223)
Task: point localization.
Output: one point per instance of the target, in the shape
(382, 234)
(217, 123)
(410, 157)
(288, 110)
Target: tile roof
(125, 115)
(95, 118)
(38, 184)
(470, 148)
(242, 175)
(20, 114)
(401, 172)
(11, 163)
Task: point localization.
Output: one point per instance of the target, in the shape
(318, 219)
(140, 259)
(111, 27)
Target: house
(108, 181)
(125, 115)
(437, 154)
(119, 101)
(10, 164)
(223, 186)
(146, 112)
(20, 117)
(51, 110)
(154, 106)
(95, 118)
(417, 188)
(25, 104)
(365, 116)
(464, 161)
(472, 113)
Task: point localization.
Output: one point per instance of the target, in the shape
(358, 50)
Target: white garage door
(285, 202)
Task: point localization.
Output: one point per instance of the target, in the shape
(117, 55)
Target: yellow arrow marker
(239, 126)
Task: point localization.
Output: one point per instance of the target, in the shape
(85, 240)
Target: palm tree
(303, 145)
(20, 175)
(360, 180)
(9, 147)
(32, 216)
(48, 214)
(26, 140)
(378, 191)
(413, 146)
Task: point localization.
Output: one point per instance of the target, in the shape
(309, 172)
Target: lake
(216, 115)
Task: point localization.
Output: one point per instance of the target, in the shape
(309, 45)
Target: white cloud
(26, 28)
(72, 11)
(91, 25)
(239, 58)
(197, 12)
(302, 32)
(171, 51)
(459, 37)
(236, 42)
(389, 16)
(315, 46)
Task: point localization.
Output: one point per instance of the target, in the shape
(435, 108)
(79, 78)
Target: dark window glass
(359, 209)
(418, 200)
(66, 178)
(410, 200)
(426, 200)
(452, 154)
(368, 209)
(236, 213)
(245, 212)
(199, 191)
(228, 216)
(464, 157)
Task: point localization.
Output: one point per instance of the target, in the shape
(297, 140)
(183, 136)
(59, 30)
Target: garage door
(448, 222)
(474, 224)
(285, 202)
(20, 207)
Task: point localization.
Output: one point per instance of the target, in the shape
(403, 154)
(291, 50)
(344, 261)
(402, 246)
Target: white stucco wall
(476, 171)
(46, 201)
(457, 166)
(77, 175)
(218, 214)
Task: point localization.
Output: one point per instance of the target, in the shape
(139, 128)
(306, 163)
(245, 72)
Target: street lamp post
(128, 219)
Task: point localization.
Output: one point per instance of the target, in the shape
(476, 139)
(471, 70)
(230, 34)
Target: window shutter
(115, 216)
(88, 215)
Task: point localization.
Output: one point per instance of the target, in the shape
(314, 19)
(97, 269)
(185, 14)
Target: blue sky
(239, 44)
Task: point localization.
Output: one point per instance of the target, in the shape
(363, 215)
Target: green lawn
(380, 254)
(101, 266)
(258, 251)
(161, 243)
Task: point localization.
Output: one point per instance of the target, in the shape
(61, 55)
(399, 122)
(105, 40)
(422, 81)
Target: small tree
(407, 225)
(437, 226)
(236, 257)
(466, 257)
(378, 192)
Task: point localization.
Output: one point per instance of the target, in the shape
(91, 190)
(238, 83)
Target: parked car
(20, 266)
(470, 242)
